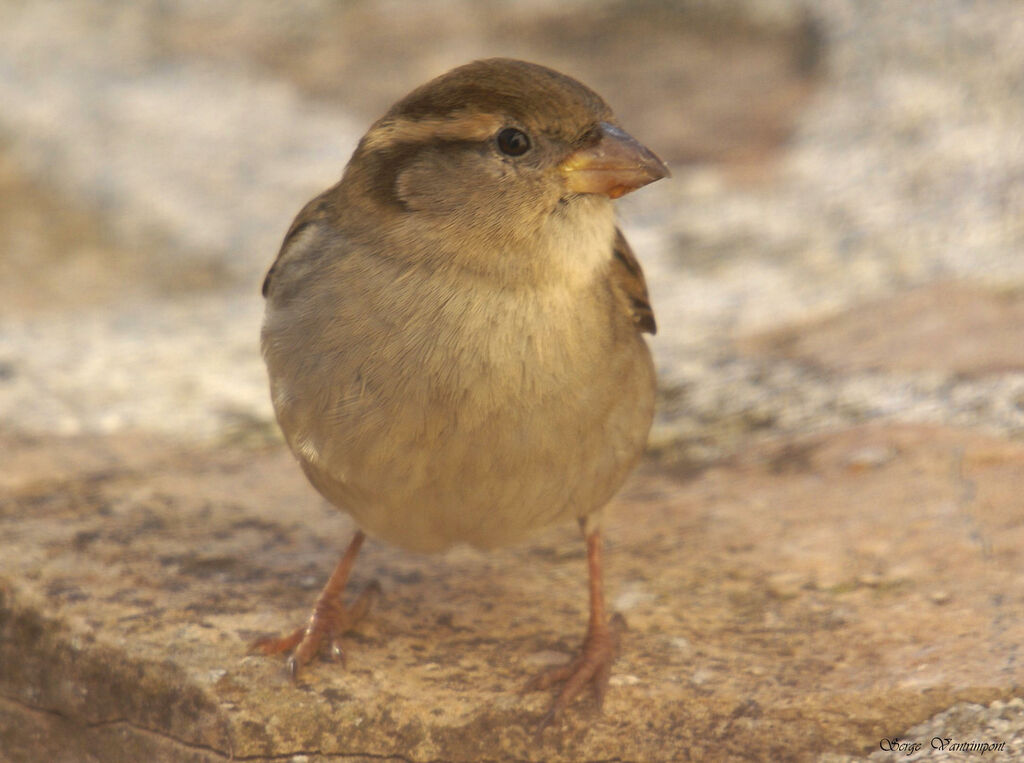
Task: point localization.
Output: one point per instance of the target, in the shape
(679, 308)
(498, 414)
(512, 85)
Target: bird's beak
(614, 166)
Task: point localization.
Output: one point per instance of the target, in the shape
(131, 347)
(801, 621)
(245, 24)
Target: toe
(278, 644)
(591, 667)
(549, 678)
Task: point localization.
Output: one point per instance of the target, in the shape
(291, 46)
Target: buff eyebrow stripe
(459, 127)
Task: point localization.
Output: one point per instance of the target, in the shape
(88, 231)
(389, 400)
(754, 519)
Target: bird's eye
(513, 142)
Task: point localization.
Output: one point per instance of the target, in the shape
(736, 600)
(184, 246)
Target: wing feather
(628, 283)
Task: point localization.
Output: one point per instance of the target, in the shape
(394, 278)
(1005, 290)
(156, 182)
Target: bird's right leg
(330, 619)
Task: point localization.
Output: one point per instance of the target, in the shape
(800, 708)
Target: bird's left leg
(592, 665)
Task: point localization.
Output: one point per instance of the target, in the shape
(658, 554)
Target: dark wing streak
(628, 280)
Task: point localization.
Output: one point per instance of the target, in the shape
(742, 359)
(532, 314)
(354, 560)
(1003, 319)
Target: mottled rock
(758, 595)
(949, 328)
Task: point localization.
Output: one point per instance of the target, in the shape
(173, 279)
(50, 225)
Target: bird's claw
(591, 666)
(328, 623)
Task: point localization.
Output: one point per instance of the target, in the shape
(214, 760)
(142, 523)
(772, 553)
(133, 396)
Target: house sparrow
(453, 332)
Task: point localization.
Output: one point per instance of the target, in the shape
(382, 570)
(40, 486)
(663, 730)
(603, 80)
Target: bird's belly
(484, 450)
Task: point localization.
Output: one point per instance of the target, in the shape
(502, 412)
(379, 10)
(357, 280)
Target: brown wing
(628, 282)
(311, 214)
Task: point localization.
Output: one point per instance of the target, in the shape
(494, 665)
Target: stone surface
(946, 328)
(802, 600)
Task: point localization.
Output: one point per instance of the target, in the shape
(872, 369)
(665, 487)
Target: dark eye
(513, 142)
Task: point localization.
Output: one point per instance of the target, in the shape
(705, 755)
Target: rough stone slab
(808, 598)
(952, 328)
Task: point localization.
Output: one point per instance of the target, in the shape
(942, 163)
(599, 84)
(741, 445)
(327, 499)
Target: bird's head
(495, 151)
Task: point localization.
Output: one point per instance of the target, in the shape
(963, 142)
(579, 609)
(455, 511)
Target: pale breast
(436, 414)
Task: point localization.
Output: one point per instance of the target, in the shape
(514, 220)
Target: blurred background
(842, 240)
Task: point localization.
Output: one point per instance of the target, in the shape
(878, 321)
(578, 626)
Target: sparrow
(454, 334)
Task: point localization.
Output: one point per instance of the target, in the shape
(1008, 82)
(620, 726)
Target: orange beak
(614, 166)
